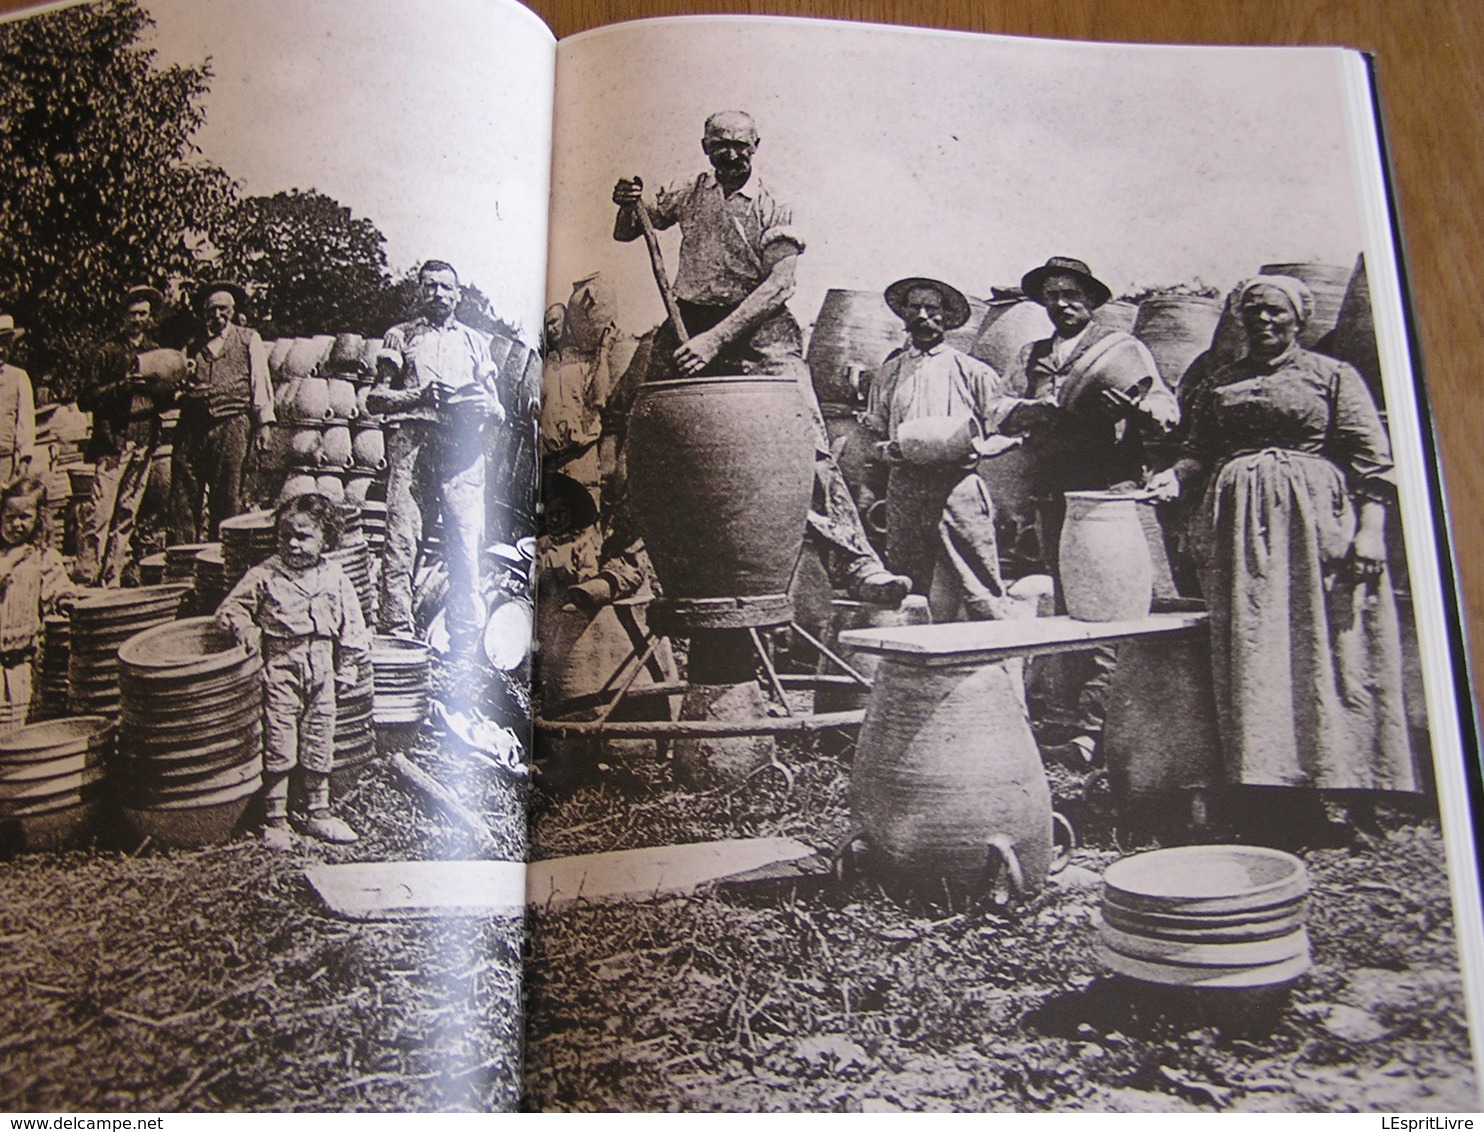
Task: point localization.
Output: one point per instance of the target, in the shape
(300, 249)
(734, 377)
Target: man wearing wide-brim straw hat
(17, 406)
(1085, 399)
(226, 402)
(125, 397)
(928, 409)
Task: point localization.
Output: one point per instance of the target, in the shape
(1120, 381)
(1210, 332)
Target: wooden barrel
(1177, 329)
(1106, 572)
(947, 774)
(1009, 326)
(854, 329)
(720, 476)
(1328, 282)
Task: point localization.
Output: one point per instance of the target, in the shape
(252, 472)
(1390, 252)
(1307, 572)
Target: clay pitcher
(948, 783)
(1106, 571)
(341, 395)
(311, 400)
(720, 476)
(368, 448)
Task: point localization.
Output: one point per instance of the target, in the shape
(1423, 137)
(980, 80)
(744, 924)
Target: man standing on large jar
(738, 254)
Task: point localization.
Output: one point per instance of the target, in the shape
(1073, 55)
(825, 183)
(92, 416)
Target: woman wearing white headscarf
(1289, 541)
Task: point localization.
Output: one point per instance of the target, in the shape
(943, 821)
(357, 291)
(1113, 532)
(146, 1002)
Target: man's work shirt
(451, 354)
(17, 414)
(940, 382)
(722, 237)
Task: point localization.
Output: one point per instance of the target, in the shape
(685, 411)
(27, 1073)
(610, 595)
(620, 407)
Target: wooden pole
(661, 277)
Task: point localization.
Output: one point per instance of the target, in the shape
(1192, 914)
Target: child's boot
(276, 831)
(321, 823)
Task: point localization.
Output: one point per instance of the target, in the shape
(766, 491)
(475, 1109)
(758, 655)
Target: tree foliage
(309, 264)
(104, 186)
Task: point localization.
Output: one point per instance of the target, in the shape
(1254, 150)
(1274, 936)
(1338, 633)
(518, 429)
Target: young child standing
(33, 579)
(302, 612)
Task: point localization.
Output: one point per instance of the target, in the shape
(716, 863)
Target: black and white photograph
(270, 326)
(979, 605)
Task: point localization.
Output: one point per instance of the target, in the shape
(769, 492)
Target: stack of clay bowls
(180, 560)
(246, 540)
(401, 668)
(373, 524)
(1206, 916)
(355, 738)
(51, 775)
(100, 625)
(152, 569)
(51, 689)
(190, 751)
(210, 579)
(354, 557)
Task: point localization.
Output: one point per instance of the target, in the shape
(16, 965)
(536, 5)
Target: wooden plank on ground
(411, 890)
(987, 642)
(665, 870)
(405, 890)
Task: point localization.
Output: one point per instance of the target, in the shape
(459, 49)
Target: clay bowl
(1268, 924)
(1231, 978)
(191, 827)
(182, 650)
(41, 741)
(1243, 953)
(399, 652)
(1198, 880)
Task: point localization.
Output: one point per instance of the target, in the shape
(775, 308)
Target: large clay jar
(345, 354)
(948, 783)
(1106, 572)
(720, 476)
(1007, 329)
(1160, 734)
(1117, 314)
(1177, 329)
(855, 331)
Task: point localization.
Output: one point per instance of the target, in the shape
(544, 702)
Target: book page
(996, 653)
(273, 294)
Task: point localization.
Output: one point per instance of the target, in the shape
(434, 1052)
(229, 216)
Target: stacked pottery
(354, 557)
(51, 775)
(180, 560)
(373, 525)
(152, 569)
(1206, 916)
(401, 669)
(51, 690)
(246, 540)
(191, 732)
(100, 625)
(210, 579)
(355, 738)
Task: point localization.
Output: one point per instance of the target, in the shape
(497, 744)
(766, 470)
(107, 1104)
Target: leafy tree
(309, 264)
(104, 186)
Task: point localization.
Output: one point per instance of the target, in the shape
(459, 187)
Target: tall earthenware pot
(1106, 572)
(720, 475)
(948, 783)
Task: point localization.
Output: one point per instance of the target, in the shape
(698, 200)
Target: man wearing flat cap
(939, 518)
(225, 405)
(738, 253)
(1085, 399)
(17, 407)
(126, 402)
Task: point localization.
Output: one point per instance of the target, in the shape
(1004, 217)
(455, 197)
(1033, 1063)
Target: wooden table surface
(1431, 70)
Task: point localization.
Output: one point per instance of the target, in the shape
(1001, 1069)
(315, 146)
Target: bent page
(273, 283)
(1000, 558)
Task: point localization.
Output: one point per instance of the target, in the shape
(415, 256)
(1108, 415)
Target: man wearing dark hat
(1085, 399)
(126, 404)
(227, 399)
(738, 253)
(929, 382)
(17, 406)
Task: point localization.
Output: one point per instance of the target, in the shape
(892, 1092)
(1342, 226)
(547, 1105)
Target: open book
(997, 647)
